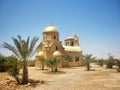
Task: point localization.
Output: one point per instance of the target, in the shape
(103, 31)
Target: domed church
(52, 46)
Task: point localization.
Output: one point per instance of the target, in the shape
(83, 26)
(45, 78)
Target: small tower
(72, 41)
(76, 40)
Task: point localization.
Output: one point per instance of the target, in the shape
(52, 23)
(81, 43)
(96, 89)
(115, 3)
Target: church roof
(72, 48)
(50, 29)
(70, 37)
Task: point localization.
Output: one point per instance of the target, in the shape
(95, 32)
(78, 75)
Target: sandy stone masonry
(51, 44)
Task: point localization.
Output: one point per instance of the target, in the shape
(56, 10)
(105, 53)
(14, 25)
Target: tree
(42, 61)
(56, 61)
(110, 62)
(23, 49)
(50, 64)
(87, 60)
(3, 66)
(68, 58)
(117, 62)
(53, 63)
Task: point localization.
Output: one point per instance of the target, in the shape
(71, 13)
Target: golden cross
(51, 23)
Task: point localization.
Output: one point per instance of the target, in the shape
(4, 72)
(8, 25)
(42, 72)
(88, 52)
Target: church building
(51, 46)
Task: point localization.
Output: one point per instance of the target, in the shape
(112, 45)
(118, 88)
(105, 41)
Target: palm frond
(17, 45)
(11, 48)
(28, 39)
(32, 45)
(19, 38)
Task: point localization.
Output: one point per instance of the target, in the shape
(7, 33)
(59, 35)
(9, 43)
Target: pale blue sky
(97, 22)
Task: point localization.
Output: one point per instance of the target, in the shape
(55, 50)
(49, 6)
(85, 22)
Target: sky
(97, 22)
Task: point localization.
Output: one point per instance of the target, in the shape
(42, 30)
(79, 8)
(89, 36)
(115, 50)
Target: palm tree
(53, 63)
(50, 64)
(56, 61)
(87, 60)
(42, 61)
(23, 49)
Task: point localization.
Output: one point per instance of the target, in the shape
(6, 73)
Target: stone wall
(73, 63)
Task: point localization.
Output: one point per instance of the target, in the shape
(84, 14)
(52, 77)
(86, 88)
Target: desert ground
(73, 78)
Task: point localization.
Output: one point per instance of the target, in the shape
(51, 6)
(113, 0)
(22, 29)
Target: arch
(72, 43)
(77, 59)
(54, 37)
(56, 48)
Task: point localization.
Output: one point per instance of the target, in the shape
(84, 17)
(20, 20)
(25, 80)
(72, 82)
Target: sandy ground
(76, 78)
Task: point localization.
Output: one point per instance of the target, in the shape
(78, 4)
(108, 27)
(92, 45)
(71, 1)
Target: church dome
(40, 54)
(57, 53)
(50, 29)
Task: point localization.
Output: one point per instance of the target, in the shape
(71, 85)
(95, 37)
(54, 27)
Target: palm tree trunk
(88, 67)
(42, 66)
(17, 79)
(25, 74)
(56, 69)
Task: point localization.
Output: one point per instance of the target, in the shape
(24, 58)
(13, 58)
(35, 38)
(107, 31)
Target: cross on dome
(51, 23)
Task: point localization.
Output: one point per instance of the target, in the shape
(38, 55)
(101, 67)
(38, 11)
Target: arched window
(77, 58)
(72, 44)
(56, 48)
(54, 37)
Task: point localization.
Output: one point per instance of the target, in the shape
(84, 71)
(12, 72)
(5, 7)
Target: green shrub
(110, 62)
(13, 67)
(117, 62)
(3, 66)
(109, 65)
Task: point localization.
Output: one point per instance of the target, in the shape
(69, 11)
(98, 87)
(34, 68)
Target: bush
(13, 67)
(110, 62)
(3, 66)
(109, 65)
(117, 62)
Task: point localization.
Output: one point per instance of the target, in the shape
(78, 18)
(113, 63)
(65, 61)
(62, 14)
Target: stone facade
(51, 44)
